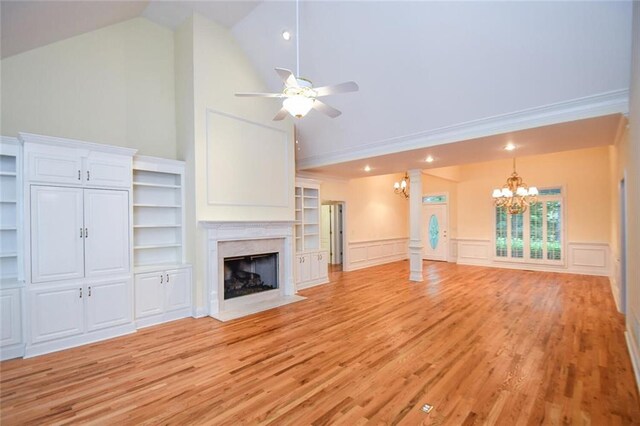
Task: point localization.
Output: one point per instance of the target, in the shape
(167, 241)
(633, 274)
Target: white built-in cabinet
(78, 236)
(311, 263)
(11, 277)
(162, 282)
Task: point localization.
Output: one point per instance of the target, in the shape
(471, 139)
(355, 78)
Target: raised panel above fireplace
(249, 170)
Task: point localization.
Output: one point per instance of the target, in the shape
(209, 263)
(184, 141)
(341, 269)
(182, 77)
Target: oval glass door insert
(434, 231)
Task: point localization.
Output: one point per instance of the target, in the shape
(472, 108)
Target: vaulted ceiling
(430, 73)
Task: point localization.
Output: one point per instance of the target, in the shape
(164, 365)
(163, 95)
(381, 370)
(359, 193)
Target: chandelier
(515, 195)
(402, 187)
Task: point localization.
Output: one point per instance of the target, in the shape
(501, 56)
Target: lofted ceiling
(421, 66)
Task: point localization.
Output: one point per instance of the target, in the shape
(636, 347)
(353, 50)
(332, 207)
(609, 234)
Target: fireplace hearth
(244, 275)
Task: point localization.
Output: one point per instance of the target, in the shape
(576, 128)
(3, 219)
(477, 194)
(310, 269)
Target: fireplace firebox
(244, 275)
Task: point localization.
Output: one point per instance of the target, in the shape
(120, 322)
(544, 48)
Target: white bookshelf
(307, 216)
(158, 213)
(10, 242)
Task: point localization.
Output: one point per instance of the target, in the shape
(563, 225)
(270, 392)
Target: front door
(436, 241)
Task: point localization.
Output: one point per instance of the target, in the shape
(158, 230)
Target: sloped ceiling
(428, 65)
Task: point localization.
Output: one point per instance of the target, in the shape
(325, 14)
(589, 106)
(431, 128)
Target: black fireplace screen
(245, 275)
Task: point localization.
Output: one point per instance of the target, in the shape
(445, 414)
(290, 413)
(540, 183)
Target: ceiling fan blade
(326, 109)
(280, 115)
(349, 86)
(260, 95)
(288, 77)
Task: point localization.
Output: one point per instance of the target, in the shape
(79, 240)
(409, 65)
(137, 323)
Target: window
(535, 235)
(429, 199)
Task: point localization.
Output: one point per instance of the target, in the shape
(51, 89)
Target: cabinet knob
(86, 233)
(167, 277)
(79, 174)
(80, 232)
(161, 278)
(80, 292)
(89, 291)
(88, 175)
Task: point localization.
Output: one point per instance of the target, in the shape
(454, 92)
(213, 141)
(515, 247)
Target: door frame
(345, 249)
(623, 227)
(447, 255)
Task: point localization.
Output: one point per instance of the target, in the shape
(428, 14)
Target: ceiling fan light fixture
(298, 105)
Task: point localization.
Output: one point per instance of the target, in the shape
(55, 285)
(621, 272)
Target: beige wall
(583, 173)
(374, 212)
(114, 86)
(210, 69)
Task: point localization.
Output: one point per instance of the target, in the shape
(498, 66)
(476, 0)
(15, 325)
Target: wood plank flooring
(484, 346)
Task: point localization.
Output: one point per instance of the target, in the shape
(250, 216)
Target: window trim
(526, 260)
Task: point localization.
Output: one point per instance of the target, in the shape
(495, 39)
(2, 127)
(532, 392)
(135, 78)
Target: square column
(415, 224)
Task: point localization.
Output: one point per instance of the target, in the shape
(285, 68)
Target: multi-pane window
(535, 235)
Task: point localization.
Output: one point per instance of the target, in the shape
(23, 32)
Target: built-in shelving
(158, 238)
(307, 216)
(10, 269)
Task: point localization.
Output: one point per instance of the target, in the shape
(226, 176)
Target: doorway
(436, 237)
(623, 247)
(332, 238)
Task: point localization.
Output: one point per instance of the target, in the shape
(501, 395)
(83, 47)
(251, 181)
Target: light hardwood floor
(482, 345)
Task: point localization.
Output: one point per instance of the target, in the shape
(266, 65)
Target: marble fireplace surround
(226, 239)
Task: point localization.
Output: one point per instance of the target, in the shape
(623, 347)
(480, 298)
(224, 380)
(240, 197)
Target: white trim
(13, 351)
(199, 312)
(613, 102)
(364, 254)
(615, 292)
(163, 318)
(635, 357)
(75, 144)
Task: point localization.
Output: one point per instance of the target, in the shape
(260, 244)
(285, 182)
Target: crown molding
(613, 102)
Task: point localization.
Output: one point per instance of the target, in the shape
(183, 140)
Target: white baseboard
(364, 254)
(13, 351)
(199, 312)
(309, 284)
(635, 357)
(162, 318)
(615, 291)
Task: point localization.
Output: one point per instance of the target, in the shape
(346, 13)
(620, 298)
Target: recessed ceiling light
(367, 168)
(429, 159)
(286, 35)
(509, 147)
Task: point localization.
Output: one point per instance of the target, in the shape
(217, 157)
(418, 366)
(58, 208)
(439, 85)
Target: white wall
(114, 86)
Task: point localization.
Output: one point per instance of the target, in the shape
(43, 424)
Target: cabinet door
(56, 312)
(149, 294)
(10, 319)
(314, 260)
(177, 289)
(59, 167)
(108, 170)
(57, 243)
(323, 265)
(108, 304)
(106, 222)
(303, 265)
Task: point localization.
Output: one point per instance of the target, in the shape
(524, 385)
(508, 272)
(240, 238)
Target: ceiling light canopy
(515, 195)
(286, 35)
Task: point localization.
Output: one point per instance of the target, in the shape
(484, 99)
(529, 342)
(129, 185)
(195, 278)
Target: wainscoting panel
(363, 254)
(582, 258)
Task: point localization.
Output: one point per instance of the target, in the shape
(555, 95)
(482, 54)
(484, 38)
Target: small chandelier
(402, 187)
(515, 195)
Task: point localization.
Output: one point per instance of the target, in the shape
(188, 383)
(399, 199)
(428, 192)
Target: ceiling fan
(298, 93)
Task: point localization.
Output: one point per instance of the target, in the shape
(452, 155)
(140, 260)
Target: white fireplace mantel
(242, 231)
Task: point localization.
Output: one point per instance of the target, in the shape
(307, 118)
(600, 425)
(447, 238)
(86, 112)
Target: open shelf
(10, 219)
(158, 213)
(307, 216)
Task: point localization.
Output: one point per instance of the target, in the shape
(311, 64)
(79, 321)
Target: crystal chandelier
(515, 195)
(402, 187)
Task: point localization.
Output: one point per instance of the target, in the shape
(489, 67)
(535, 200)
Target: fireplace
(249, 267)
(244, 275)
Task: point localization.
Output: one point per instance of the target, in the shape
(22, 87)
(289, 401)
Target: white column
(415, 224)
